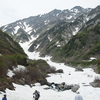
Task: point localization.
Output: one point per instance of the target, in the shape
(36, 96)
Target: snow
(87, 19)
(77, 29)
(57, 15)
(92, 58)
(37, 46)
(49, 38)
(18, 68)
(34, 30)
(82, 78)
(27, 28)
(16, 29)
(69, 17)
(46, 22)
(57, 43)
(10, 73)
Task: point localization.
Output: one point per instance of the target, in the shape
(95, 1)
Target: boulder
(59, 71)
(75, 87)
(95, 84)
(67, 87)
(78, 69)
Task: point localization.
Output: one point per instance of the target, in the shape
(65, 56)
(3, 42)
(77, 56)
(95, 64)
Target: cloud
(12, 10)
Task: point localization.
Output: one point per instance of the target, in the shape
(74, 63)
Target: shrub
(3, 69)
(52, 69)
(20, 73)
(98, 69)
(34, 73)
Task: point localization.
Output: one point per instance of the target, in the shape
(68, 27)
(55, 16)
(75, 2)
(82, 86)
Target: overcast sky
(12, 10)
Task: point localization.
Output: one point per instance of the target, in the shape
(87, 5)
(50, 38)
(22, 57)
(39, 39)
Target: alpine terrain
(57, 53)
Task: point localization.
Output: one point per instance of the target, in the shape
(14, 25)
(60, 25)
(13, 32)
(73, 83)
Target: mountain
(85, 44)
(56, 37)
(72, 41)
(23, 30)
(61, 33)
(82, 46)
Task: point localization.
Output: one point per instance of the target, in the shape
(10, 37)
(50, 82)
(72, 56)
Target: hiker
(4, 98)
(78, 96)
(36, 95)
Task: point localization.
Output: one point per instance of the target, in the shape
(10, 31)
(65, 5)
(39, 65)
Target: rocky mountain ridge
(23, 30)
(55, 38)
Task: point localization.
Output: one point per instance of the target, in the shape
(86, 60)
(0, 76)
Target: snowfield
(82, 78)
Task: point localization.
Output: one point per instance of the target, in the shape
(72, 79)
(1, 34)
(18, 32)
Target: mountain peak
(55, 11)
(78, 7)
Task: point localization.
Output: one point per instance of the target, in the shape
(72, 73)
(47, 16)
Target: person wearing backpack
(36, 95)
(78, 96)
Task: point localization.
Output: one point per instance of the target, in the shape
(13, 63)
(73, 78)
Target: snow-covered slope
(81, 78)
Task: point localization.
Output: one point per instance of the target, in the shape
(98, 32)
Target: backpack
(38, 95)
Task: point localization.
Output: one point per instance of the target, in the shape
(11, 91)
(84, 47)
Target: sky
(25, 92)
(12, 10)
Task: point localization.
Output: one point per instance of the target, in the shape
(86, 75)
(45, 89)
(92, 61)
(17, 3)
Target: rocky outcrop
(78, 69)
(75, 87)
(63, 86)
(95, 84)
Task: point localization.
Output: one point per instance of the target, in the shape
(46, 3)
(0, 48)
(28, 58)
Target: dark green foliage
(7, 61)
(37, 69)
(11, 54)
(95, 49)
(8, 45)
(40, 64)
(81, 47)
(3, 69)
(84, 63)
(98, 69)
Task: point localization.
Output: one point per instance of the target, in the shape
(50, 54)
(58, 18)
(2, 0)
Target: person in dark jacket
(36, 95)
(4, 98)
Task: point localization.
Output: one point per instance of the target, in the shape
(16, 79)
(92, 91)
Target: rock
(95, 84)
(67, 87)
(59, 71)
(63, 86)
(78, 69)
(75, 88)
